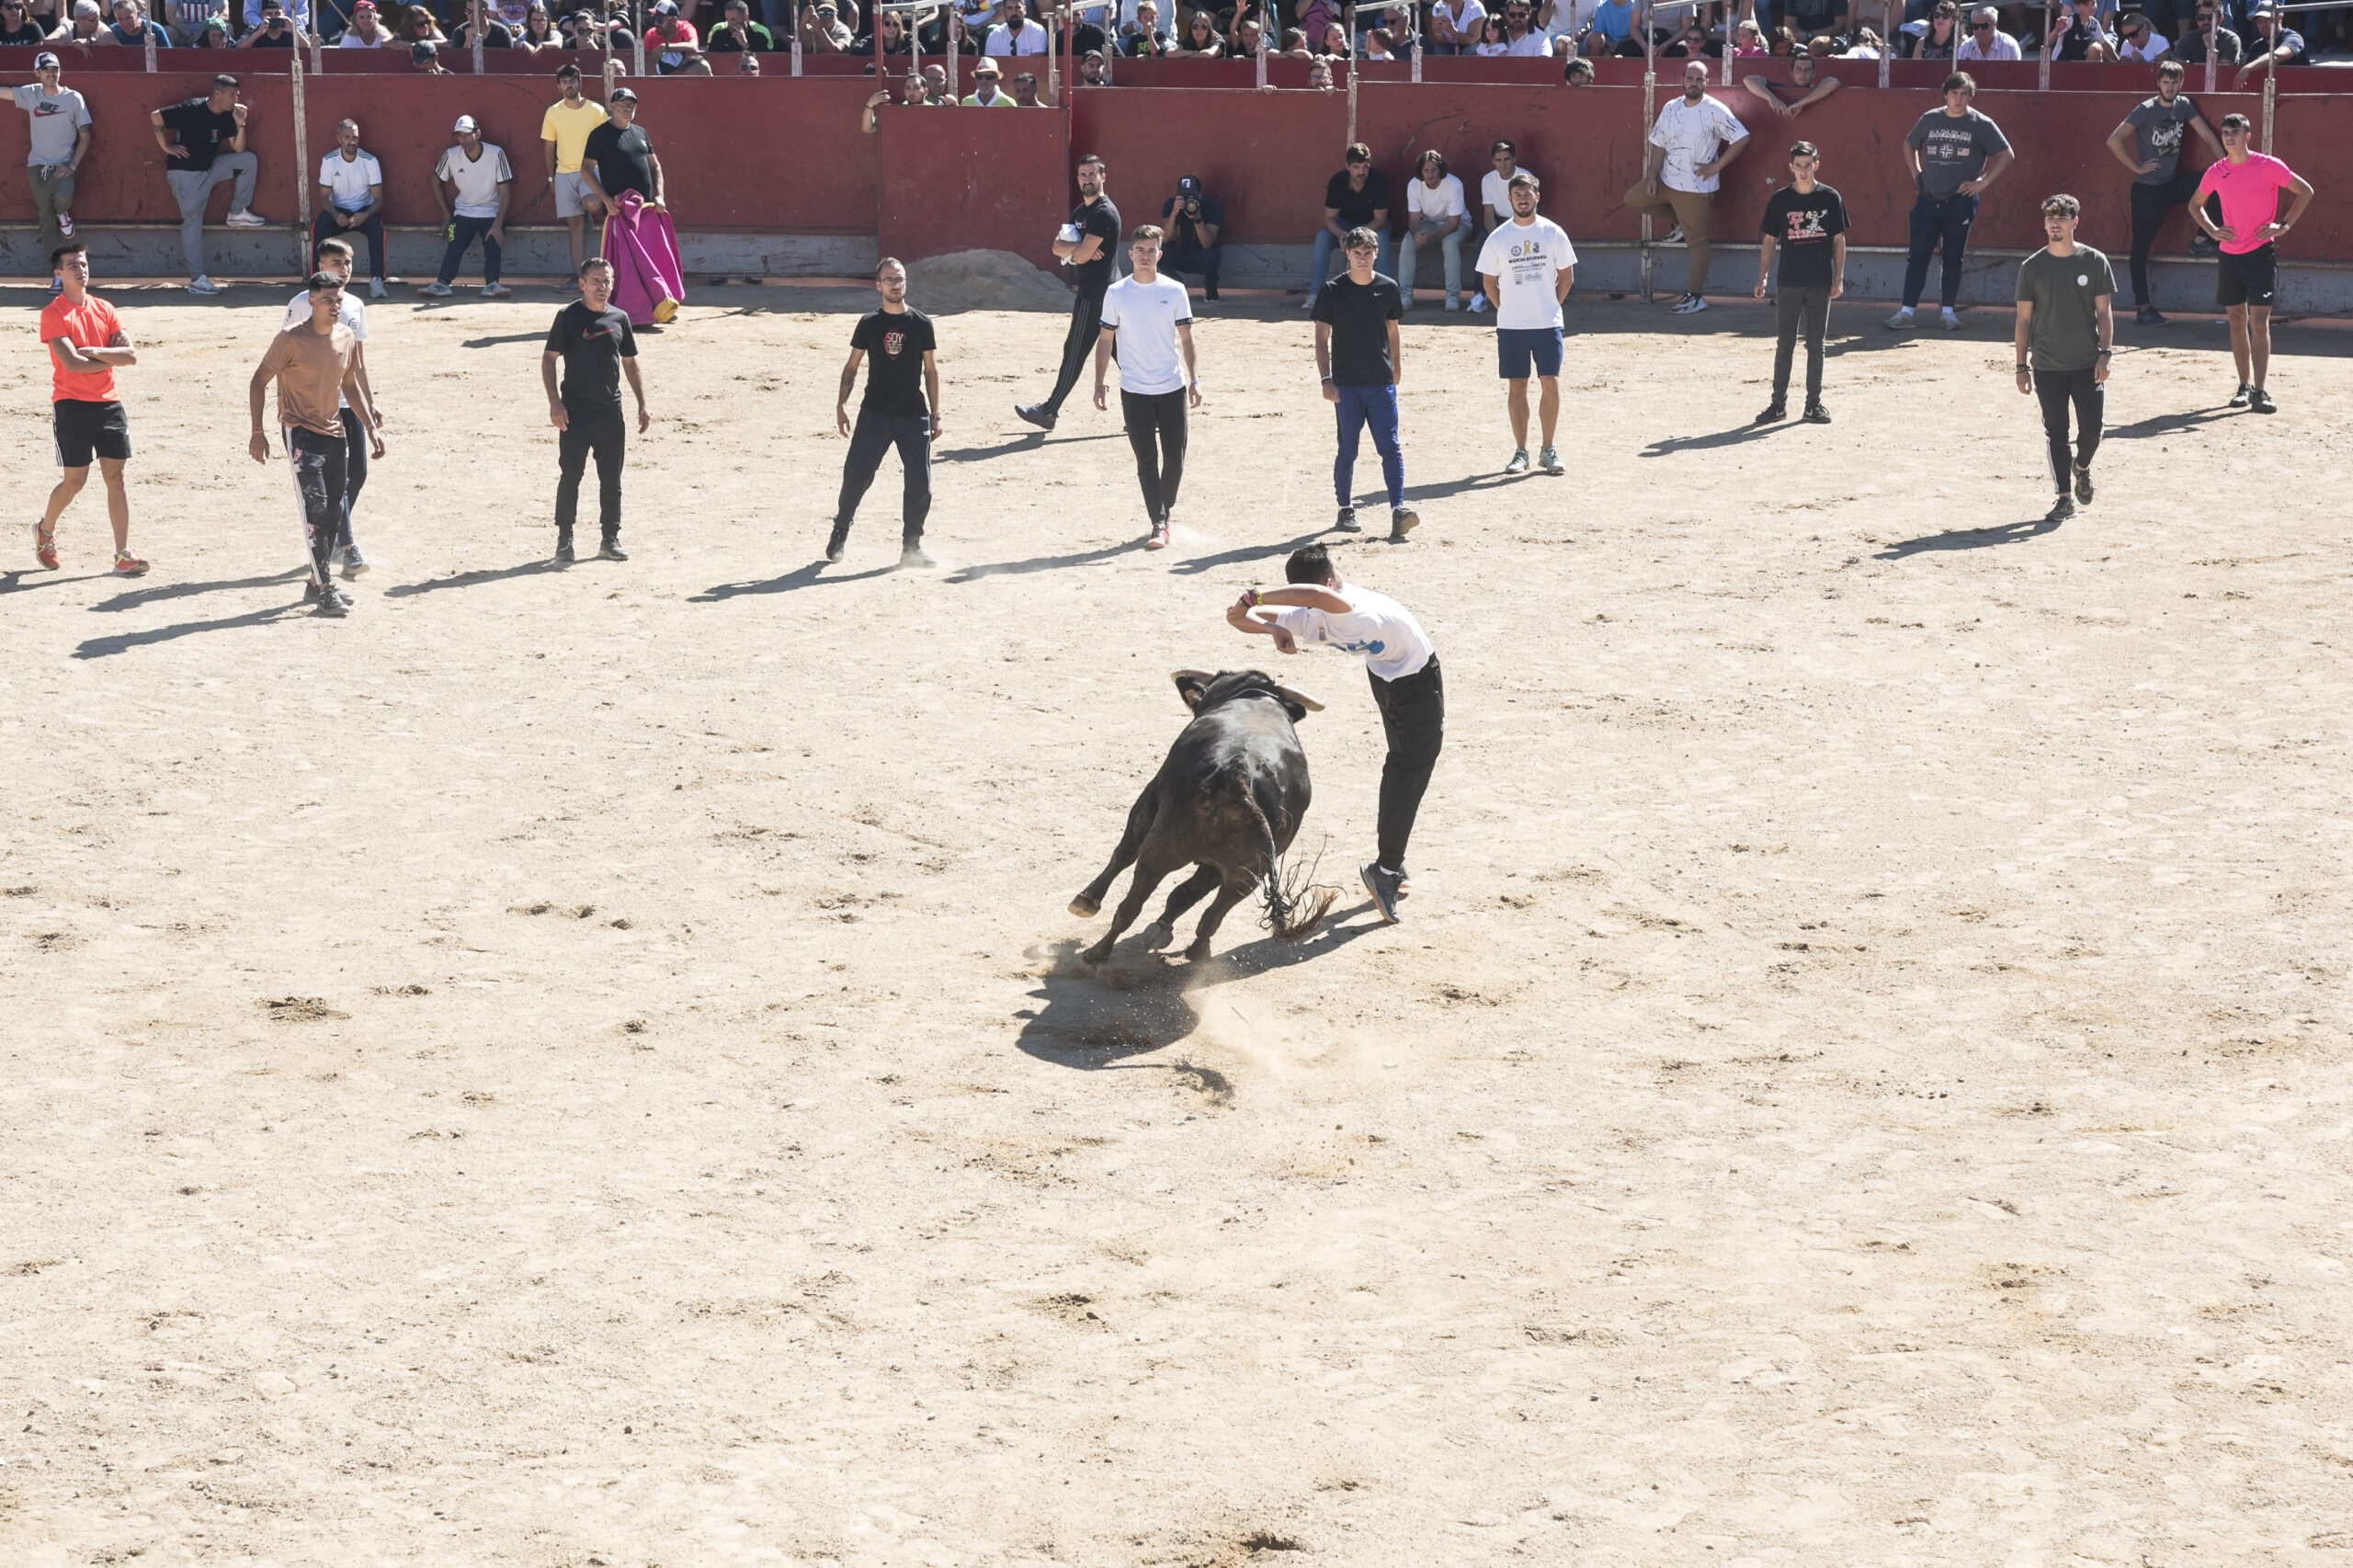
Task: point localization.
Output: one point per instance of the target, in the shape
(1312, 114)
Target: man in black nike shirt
(901, 409)
(1088, 244)
(596, 343)
(1805, 221)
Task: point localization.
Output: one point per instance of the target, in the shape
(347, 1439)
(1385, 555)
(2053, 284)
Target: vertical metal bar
(147, 38)
(2042, 51)
(955, 50)
(1262, 46)
(1886, 42)
(476, 24)
(637, 36)
(2270, 102)
(1352, 75)
(1053, 81)
(1650, 88)
(303, 174)
(2212, 70)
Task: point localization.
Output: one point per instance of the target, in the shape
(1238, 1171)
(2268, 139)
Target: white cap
(465, 123)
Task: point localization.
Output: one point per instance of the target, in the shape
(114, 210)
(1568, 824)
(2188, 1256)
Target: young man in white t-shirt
(1434, 212)
(1148, 322)
(481, 182)
(1320, 610)
(351, 195)
(334, 255)
(1526, 269)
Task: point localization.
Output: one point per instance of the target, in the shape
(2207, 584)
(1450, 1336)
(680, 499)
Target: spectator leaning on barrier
(481, 182)
(1805, 222)
(366, 31)
(83, 28)
(1693, 139)
(1435, 214)
(2190, 49)
(61, 140)
(538, 32)
(1094, 70)
(984, 94)
(1194, 224)
(914, 93)
(496, 34)
(351, 197)
(2149, 143)
(191, 133)
(17, 29)
(563, 131)
(1200, 40)
(2137, 41)
(2080, 36)
(739, 34)
(130, 27)
(1953, 153)
(1025, 91)
(1356, 197)
(2274, 44)
(1938, 39)
(1987, 40)
(1806, 87)
(671, 39)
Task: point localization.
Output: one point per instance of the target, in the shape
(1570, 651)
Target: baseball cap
(2263, 8)
(1189, 185)
(622, 95)
(666, 8)
(465, 123)
(420, 52)
(45, 61)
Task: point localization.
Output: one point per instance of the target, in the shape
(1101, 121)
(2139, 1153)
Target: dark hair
(1360, 238)
(2172, 68)
(563, 71)
(887, 262)
(224, 80)
(1803, 150)
(2062, 206)
(1356, 153)
(2236, 123)
(336, 246)
(1097, 159)
(1960, 81)
(1503, 147)
(71, 247)
(1145, 234)
(1426, 159)
(324, 279)
(1311, 564)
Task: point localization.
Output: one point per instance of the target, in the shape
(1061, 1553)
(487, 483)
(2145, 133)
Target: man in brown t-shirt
(316, 364)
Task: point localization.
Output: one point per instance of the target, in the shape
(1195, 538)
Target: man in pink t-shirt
(2249, 184)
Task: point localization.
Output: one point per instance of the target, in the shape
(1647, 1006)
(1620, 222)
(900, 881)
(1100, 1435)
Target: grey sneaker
(2083, 484)
(911, 555)
(1949, 321)
(1382, 885)
(354, 563)
(1901, 321)
(437, 290)
(334, 601)
(1347, 521)
(611, 549)
(564, 549)
(1549, 459)
(1402, 520)
(1519, 463)
(247, 219)
(2061, 510)
(202, 286)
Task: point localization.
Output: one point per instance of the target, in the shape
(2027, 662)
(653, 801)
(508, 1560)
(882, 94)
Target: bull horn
(1290, 695)
(1190, 684)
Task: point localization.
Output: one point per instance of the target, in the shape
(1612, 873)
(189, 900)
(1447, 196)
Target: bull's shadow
(1141, 1000)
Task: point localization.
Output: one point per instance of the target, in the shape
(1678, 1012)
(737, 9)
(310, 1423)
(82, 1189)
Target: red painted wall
(946, 189)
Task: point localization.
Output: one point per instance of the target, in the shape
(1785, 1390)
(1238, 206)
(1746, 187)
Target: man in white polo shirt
(1693, 141)
(1148, 322)
(351, 195)
(480, 180)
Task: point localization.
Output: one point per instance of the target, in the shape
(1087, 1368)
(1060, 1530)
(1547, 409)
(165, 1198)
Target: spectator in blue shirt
(130, 27)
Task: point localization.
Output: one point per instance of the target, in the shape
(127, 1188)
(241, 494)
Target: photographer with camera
(1195, 222)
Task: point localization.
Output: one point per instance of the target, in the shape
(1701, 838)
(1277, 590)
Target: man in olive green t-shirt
(2064, 330)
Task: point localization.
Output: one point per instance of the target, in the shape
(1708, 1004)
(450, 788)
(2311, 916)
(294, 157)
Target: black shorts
(83, 428)
(2248, 279)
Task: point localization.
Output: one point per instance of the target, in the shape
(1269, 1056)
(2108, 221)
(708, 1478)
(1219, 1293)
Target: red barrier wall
(946, 189)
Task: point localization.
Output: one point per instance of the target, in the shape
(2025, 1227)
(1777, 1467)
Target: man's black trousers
(1155, 424)
(603, 433)
(2055, 390)
(1086, 326)
(1802, 307)
(1413, 717)
(318, 481)
(874, 435)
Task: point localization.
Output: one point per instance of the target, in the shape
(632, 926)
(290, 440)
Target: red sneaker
(45, 546)
(1159, 537)
(129, 565)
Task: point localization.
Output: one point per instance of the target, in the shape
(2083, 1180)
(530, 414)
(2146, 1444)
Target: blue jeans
(1327, 244)
(1376, 406)
(1408, 261)
(1933, 224)
(461, 235)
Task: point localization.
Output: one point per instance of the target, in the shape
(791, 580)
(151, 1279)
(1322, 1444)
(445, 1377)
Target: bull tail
(1292, 912)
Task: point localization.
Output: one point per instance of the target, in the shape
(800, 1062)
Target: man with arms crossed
(311, 364)
(897, 412)
(86, 342)
(597, 344)
(1085, 245)
(563, 130)
(1691, 145)
(1148, 321)
(1805, 221)
(1953, 153)
(1358, 354)
(1526, 269)
(2249, 184)
(335, 256)
(2065, 331)
(2149, 143)
(1317, 609)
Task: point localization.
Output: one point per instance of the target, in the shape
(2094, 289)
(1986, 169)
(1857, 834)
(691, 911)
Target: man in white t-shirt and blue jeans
(481, 181)
(1526, 269)
(351, 195)
(1435, 214)
(1319, 610)
(1148, 324)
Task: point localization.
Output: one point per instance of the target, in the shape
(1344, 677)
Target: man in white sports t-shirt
(334, 255)
(1320, 610)
(1526, 269)
(1148, 322)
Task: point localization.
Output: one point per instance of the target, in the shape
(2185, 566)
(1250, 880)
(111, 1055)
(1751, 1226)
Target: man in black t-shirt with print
(901, 409)
(1358, 354)
(1805, 221)
(595, 344)
(1087, 243)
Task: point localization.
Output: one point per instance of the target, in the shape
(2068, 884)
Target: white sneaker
(1519, 463)
(375, 288)
(201, 285)
(437, 290)
(248, 218)
(495, 290)
(1899, 320)
(1478, 303)
(1949, 321)
(1311, 303)
(1549, 461)
(1689, 305)
(1674, 236)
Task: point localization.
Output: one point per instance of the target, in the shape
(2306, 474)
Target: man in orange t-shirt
(86, 342)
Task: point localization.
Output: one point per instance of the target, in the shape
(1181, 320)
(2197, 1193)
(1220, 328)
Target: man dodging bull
(1319, 608)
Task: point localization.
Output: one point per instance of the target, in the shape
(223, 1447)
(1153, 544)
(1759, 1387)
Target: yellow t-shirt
(568, 128)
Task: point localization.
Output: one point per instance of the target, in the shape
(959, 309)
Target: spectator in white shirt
(2136, 39)
(1495, 188)
(1016, 35)
(481, 181)
(351, 195)
(1521, 38)
(1987, 40)
(1454, 26)
(1691, 142)
(1435, 212)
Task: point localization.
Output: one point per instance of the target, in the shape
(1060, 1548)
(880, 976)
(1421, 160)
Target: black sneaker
(564, 550)
(1211, 295)
(911, 555)
(1034, 414)
(611, 549)
(834, 545)
(2147, 316)
(1816, 415)
(2204, 245)
(310, 592)
(2240, 398)
(1347, 521)
(2083, 484)
(1402, 520)
(1775, 412)
(2061, 510)
(1382, 885)
(2260, 401)
(334, 601)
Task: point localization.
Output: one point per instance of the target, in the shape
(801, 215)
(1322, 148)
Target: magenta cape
(648, 279)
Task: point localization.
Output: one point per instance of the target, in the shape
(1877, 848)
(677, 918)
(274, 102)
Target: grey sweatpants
(193, 187)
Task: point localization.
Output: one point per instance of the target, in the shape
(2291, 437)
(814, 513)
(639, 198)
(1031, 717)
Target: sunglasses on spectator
(1984, 27)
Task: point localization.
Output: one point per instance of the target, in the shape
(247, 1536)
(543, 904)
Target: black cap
(1189, 185)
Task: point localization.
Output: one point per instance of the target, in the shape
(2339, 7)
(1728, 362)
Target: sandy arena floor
(585, 1068)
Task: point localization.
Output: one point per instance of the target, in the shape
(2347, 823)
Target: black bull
(1229, 798)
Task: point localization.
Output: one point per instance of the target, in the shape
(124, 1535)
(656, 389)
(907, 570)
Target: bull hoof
(1092, 956)
(1157, 935)
(1085, 907)
(1198, 951)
